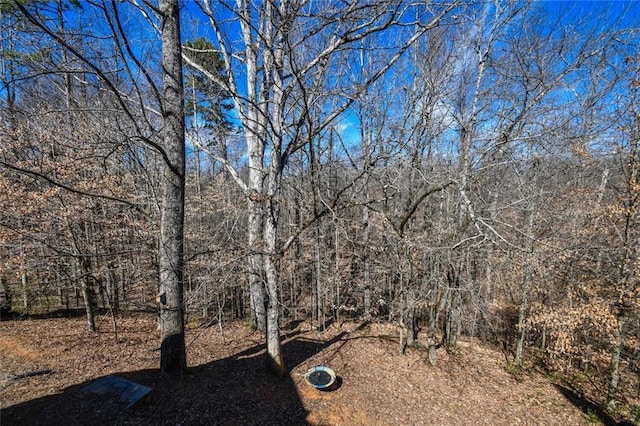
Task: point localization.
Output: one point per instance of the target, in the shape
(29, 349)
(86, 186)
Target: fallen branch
(29, 374)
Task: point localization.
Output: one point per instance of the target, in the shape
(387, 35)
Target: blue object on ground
(131, 393)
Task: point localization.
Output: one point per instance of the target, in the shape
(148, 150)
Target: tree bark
(256, 279)
(614, 378)
(452, 312)
(527, 283)
(87, 296)
(172, 349)
(275, 358)
(256, 148)
(25, 293)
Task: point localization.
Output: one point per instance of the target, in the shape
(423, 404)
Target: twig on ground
(30, 374)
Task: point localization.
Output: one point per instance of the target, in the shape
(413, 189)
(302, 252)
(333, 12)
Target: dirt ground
(228, 385)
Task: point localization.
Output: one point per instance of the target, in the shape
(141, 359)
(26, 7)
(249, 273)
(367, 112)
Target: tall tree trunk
(627, 279)
(112, 287)
(453, 307)
(319, 305)
(317, 287)
(253, 117)
(87, 295)
(256, 280)
(274, 66)
(527, 281)
(366, 136)
(25, 290)
(275, 358)
(257, 295)
(366, 232)
(172, 349)
(614, 378)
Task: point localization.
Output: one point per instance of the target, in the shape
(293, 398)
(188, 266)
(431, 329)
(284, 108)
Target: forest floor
(46, 364)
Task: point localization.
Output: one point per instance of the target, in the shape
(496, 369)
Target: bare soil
(227, 383)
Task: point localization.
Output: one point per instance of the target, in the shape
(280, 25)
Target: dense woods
(460, 170)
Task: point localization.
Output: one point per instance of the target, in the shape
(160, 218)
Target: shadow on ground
(9, 315)
(237, 390)
(589, 408)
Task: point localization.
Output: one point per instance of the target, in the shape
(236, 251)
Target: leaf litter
(227, 384)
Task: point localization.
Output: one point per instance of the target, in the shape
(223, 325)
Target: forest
(456, 169)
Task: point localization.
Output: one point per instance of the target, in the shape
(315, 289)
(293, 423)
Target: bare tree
(283, 82)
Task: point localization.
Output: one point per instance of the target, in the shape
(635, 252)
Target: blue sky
(585, 15)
